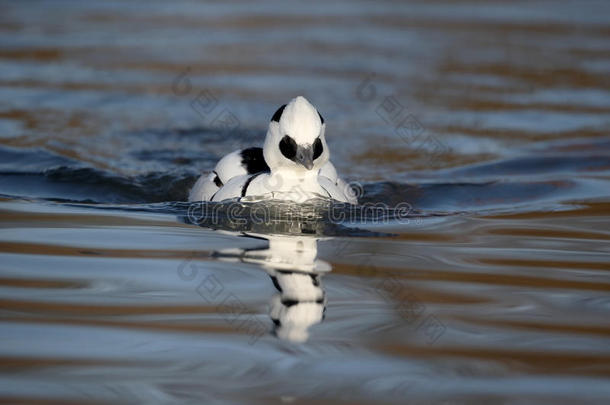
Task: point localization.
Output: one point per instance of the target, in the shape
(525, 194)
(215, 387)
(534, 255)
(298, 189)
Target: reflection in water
(293, 231)
(291, 263)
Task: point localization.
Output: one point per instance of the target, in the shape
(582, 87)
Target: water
(489, 119)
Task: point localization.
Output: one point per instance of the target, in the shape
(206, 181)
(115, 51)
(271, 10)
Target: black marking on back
(278, 114)
(214, 195)
(321, 118)
(217, 180)
(327, 192)
(254, 160)
(244, 189)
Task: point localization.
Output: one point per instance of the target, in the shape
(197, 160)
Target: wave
(40, 174)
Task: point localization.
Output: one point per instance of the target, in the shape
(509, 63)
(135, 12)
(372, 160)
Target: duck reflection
(293, 231)
(292, 264)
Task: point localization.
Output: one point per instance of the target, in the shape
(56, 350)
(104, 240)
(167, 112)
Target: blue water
(475, 269)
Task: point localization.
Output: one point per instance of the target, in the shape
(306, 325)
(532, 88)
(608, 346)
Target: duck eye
(288, 147)
(317, 148)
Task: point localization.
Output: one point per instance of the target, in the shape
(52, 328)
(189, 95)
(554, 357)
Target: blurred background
(490, 118)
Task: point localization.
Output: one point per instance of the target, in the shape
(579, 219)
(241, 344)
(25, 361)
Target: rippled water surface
(490, 119)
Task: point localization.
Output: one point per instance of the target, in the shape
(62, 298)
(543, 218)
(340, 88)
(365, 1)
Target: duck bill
(304, 156)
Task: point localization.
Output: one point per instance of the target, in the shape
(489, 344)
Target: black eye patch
(317, 148)
(288, 147)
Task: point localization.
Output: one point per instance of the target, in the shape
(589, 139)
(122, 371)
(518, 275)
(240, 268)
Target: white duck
(292, 165)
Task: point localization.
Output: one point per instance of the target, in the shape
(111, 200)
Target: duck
(293, 164)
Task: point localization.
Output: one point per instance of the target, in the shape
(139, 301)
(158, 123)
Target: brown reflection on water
(430, 274)
(39, 249)
(517, 361)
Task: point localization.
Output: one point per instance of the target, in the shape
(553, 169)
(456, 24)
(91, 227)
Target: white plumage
(292, 165)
